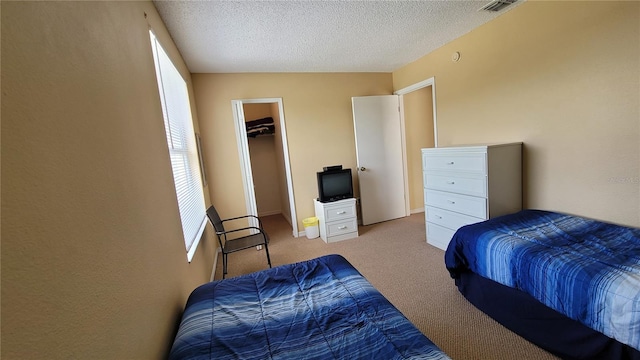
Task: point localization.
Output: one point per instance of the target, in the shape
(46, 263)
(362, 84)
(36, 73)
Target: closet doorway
(264, 158)
(419, 125)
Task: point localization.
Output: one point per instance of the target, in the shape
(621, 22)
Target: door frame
(417, 86)
(245, 159)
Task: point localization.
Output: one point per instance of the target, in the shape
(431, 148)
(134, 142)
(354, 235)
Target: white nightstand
(337, 220)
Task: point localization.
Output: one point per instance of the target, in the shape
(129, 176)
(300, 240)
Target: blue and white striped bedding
(585, 269)
(317, 309)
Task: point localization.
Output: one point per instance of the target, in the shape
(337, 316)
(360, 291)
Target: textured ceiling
(315, 36)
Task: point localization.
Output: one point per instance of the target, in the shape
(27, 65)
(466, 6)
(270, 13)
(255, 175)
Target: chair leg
(224, 265)
(266, 249)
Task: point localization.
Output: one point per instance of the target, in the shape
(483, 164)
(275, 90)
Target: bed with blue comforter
(317, 309)
(567, 283)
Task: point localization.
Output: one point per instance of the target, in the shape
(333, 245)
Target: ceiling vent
(497, 5)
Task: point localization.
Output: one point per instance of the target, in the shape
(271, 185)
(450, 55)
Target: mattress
(317, 309)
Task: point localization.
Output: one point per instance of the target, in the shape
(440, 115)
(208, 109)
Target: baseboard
(416, 211)
(288, 218)
(269, 213)
(215, 263)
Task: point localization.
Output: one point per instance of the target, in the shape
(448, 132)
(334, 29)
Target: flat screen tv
(334, 185)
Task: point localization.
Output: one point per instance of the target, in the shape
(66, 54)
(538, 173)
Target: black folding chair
(240, 243)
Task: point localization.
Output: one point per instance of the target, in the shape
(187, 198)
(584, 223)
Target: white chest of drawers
(337, 220)
(468, 184)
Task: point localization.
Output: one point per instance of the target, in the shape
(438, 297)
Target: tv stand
(337, 219)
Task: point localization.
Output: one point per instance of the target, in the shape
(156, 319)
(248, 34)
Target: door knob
(362, 168)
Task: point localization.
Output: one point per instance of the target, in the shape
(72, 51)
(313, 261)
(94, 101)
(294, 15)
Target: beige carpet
(396, 259)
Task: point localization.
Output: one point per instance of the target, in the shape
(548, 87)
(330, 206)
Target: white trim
(245, 161)
(435, 119)
(417, 86)
(414, 87)
(405, 166)
(417, 211)
(196, 242)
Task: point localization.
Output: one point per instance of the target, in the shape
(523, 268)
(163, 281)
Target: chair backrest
(215, 220)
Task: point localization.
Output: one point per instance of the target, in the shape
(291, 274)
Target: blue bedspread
(585, 269)
(317, 309)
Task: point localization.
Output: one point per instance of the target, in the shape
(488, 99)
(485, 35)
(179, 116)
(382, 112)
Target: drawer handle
(342, 227)
(438, 216)
(341, 212)
(451, 182)
(451, 202)
(450, 163)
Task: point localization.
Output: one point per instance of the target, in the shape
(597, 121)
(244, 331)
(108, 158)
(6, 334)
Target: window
(183, 151)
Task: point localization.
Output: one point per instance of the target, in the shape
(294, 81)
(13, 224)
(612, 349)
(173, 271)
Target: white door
(245, 163)
(379, 151)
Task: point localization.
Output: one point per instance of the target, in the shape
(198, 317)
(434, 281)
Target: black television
(334, 185)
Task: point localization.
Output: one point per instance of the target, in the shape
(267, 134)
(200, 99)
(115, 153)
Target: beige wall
(93, 264)
(564, 78)
(265, 174)
(93, 260)
(256, 111)
(318, 119)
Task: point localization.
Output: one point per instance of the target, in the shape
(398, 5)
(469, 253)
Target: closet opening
(264, 158)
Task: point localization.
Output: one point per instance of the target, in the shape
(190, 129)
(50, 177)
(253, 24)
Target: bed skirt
(543, 326)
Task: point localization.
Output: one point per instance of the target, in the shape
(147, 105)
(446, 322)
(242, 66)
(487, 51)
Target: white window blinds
(178, 125)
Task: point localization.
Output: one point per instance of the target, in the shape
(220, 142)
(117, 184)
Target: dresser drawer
(439, 236)
(468, 205)
(466, 162)
(332, 213)
(342, 227)
(449, 219)
(475, 185)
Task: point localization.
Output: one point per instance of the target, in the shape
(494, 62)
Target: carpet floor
(395, 257)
